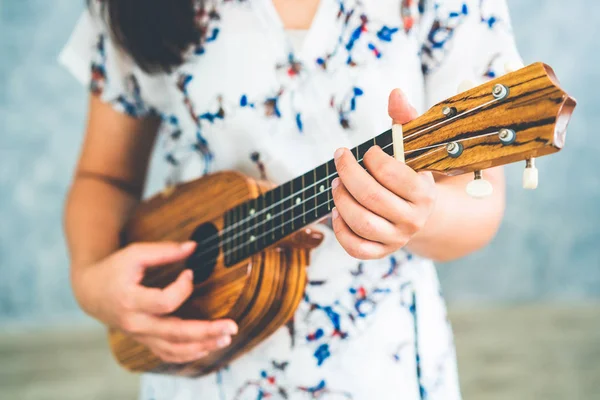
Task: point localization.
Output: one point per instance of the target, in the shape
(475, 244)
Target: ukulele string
(238, 234)
(270, 207)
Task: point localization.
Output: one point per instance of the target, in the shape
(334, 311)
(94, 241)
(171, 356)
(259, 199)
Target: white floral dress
(248, 100)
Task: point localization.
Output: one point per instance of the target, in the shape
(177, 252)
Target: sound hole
(204, 258)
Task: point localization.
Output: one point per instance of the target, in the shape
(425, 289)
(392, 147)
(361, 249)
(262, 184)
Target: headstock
(519, 116)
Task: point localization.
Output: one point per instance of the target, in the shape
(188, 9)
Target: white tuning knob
(466, 85)
(530, 175)
(512, 66)
(479, 188)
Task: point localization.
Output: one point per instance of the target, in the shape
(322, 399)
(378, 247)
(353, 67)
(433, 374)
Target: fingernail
(201, 354)
(334, 213)
(189, 274)
(223, 341)
(338, 153)
(335, 183)
(230, 330)
(398, 93)
(187, 246)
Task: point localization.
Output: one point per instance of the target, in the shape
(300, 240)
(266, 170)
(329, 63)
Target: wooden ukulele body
(260, 293)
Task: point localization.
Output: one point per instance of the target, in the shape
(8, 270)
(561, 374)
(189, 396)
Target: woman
(271, 88)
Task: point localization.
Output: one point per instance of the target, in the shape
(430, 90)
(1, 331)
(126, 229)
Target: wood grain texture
(260, 294)
(536, 108)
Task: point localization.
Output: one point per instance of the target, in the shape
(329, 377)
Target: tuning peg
(512, 66)
(530, 175)
(479, 187)
(466, 85)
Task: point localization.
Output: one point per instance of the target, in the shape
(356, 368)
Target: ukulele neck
(258, 223)
(516, 117)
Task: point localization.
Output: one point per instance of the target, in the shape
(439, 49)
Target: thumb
(167, 300)
(399, 108)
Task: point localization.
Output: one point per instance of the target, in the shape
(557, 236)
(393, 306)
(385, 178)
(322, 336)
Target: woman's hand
(110, 291)
(379, 211)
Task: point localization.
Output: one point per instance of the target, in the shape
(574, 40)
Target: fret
(268, 217)
(315, 187)
(321, 188)
(292, 203)
(355, 153)
(244, 229)
(280, 213)
(303, 190)
(234, 233)
(362, 150)
(309, 197)
(288, 210)
(385, 142)
(259, 221)
(227, 236)
(331, 175)
(235, 242)
(250, 236)
(297, 203)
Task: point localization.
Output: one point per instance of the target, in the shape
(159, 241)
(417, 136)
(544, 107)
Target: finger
(354, 245)
(365, 189)
(165, 301)
(361, 221)
(399, 108)
(183, 352)
(178, 330)
(160, 253)
(398, 178)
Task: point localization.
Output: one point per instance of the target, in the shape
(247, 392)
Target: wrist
(82, 290)
(426, 242)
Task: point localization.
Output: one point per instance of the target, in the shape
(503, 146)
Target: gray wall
(547, 249)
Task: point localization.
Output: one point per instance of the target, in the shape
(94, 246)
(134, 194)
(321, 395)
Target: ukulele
(254, 242)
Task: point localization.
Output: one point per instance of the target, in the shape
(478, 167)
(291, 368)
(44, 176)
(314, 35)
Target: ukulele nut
(507, 136)
(500, 91)
(454, 149)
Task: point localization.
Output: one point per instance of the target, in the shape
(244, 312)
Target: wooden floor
(518, 353)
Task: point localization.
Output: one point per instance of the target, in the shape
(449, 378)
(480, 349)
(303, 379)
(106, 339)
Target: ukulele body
(260, 293)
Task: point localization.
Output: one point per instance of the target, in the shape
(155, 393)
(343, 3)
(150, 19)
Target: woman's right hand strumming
(107, 281)
(110, 290)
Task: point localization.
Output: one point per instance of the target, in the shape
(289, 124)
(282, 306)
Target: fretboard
(258, 223)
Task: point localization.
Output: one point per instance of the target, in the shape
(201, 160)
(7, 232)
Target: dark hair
(155, 33)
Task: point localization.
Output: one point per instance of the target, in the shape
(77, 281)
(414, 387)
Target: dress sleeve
(93, 59)
(464, 40)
